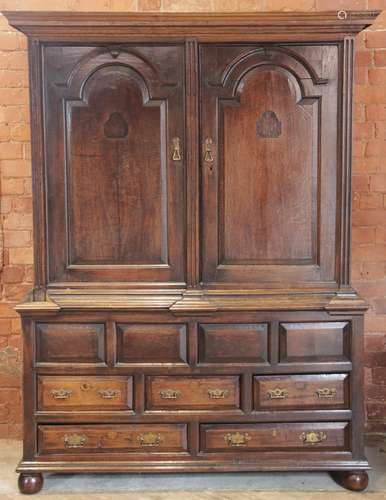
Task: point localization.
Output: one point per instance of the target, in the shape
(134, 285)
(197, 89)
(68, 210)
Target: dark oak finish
(355, 481)
(294, 436)
(30, 483)
(192, 393)
(151, 344)
(301, 391)
(233, 343)
(141, 438)
(192, 307)
(79, 393)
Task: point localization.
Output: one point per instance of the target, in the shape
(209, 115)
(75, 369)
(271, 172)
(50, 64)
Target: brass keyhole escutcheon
(85, 387)
(208, 155)
(177, 155)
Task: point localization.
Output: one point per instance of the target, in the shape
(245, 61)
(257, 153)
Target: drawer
(192, 393)
(301, 391)
(84, 393)
(315, 342)
(63, 343)
(233, 343)
(288, 436)
(140, 438)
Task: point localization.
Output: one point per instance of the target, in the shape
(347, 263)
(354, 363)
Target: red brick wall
(369, 198)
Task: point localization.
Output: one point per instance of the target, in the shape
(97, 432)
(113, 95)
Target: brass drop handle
(218, 393)
(75, 440)
(208, 155)
(277, 394)
(109, 393)
(61, 393)
(313, 437)
(177, 155)
(326, 392)
(149, 439)
(170, 394)
(237, 439)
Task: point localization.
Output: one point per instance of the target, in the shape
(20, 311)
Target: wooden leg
(355, 481)
(30, 483)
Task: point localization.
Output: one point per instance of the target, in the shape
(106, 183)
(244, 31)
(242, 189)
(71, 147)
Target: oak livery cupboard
(192, 308)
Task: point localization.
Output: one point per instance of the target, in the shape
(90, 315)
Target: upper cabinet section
(114, 150)
(270, 163)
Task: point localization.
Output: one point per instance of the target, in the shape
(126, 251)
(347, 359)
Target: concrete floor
(232, 486)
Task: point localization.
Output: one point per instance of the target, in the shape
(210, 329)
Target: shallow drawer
(145, 438)
(301, 391)
(84, 393)
(192, 393)
(292, 436)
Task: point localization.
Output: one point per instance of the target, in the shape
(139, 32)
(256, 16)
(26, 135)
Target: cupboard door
(269, 164)
(114, 129)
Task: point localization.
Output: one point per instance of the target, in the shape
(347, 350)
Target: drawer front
(140, 438)
(301, 391)
(314, 342)
(151, 343)
(233, 343)
(257, 437)
(80, 343)
(84, 393)
(192, 393)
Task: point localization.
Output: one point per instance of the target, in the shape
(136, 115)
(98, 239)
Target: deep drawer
(291, 436)
(301, 391)
(192, 393)
(84, 393)
(142, 438)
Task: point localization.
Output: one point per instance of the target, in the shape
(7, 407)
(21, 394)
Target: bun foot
(355, 481)
(30, 483)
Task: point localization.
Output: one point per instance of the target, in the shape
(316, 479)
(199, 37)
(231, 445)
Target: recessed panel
(116, 191)
(70, 343)
(314, 342)
(268, 176)
(233, 343)
(151, 343)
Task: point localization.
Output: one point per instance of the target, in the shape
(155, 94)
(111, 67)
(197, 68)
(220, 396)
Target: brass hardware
(342, 15)
(85, 387)
(277, 394)
(169, 394)
(75, 440)
(237, 439)
(208, 156)
(325, 392)
(60, 393)
(218, 393)
(149, 439)
(109, 393)
(176, 149)
(312, 437)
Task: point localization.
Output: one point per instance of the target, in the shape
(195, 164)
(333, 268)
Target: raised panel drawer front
(300, 391)
(292, 436)
(233, 343)
(140, 438)
(192, 393)
(84, 393)
(70, 343)
(151, 343)
(315, 342)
